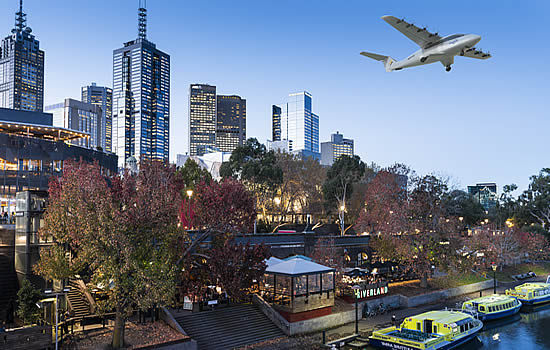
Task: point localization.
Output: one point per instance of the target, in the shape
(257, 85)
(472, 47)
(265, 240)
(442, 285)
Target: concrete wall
(167, 317)
(341, 318)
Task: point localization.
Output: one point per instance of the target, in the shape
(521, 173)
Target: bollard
(324, 337)
(480, 293)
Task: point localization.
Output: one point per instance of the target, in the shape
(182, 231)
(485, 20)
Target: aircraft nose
(475, 39)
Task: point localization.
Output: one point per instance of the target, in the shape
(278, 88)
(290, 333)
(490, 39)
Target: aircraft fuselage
(442, 51)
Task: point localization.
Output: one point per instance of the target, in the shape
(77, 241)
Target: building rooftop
(46, 132)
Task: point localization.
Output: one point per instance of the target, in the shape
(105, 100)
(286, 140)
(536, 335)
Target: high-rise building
(231, 122)
(299, 125)
(202, 118)
(336, 147)
(102, 97)
(79, 116)
(485, 194)
(21, 68)
(141, 98)
(276, 122)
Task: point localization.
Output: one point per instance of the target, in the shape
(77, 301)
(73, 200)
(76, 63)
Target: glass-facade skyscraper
(21, 68)
(276, 122)
(141, 99)
(299, 125)
(231, 122)
(335, 148)
(102, 97)
(202, 118)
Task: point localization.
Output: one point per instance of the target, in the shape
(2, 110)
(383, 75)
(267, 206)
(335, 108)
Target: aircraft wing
(475, 53)
(420, 36)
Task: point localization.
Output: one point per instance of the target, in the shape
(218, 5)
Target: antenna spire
(20, 18)
(142, 19)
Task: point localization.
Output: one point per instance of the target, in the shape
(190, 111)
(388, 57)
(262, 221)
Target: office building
(276, 122)
(485, 194)
(231, 122)
(21, 68)
(79, 116)
(202, 118)
(102, 97)
(299, 125)
(336, 147)
(141, 99)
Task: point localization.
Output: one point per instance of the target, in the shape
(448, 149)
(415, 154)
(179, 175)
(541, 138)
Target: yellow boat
(432, 330)
(492, 307)
(533, 293)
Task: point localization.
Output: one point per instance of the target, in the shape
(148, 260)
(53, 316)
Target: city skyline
(482, 102)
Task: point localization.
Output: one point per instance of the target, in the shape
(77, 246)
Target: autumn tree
(123, 230)
(235, 267)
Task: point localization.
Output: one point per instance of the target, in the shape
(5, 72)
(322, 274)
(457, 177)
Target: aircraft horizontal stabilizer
(387, 60)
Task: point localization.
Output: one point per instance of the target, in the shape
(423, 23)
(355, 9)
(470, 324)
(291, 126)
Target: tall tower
(141, 98)
(103, 98)
(230, 123)
(21, 68)
(202, 118)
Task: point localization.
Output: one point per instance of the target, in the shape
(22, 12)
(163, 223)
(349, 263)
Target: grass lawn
(455, 280)
(541, 269)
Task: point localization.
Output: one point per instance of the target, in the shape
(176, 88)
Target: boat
(433, 330)
(533, 293)
(492, 307)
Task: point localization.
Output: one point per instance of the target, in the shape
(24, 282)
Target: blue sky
(483, 121)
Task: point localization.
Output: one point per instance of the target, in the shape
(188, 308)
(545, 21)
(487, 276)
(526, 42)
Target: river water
(529, 330)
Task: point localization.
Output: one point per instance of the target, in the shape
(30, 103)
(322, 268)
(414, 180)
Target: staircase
(229, 328)
(8, 286)
(79, 304)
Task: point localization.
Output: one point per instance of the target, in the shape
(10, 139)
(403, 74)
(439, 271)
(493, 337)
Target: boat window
(481, 308)
(418, 327)
(461, 328)
(435, 329)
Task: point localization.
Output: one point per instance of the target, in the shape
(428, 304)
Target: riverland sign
(371, 290)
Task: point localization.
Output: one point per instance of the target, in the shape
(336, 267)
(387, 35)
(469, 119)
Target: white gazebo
(297, 285)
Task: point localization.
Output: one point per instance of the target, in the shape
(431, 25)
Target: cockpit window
(449, 38)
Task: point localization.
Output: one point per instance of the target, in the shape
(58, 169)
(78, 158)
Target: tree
(256, 167)
(461, 204)
(326, 253)
(123, 230)
(535, 201)
(338, 186)
(192, 174)
(27, 297)
(236, 267)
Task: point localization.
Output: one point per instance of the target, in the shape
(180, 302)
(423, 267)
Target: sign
(187, 303)
(212, 302)
(371, 290)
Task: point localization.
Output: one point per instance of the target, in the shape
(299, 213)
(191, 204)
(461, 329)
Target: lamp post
(57, 294)
(494, 266)
(189, 194)
(342, 213)
(356, 292)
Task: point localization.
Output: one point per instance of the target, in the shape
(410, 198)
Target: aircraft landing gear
(462, 52)
(423, 59)
(448, 68)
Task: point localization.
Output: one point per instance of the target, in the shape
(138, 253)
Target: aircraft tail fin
(387, 60)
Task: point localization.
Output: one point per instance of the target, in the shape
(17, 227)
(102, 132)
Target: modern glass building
(102, 97)
(202, 118)
(21, 68)
(485, 194)
(299, 125)
(141, 99)
(276, 122)
(231, 122)
(79, 116)
(336, 147)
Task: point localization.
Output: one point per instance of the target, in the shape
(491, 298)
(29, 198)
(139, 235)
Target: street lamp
(494, 267)
(189, 193)
(356, 292)
(57, 294)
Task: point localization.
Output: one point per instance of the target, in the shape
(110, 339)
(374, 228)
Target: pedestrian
(393, 320)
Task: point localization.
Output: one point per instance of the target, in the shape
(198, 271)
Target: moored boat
(533, 293)
(433, 330)
(492, 307)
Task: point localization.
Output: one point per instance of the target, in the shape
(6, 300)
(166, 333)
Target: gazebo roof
(297, 266)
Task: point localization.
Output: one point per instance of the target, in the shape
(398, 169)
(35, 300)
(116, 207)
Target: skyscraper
(299, 125)
(230, 123)
(336, 147)
(79, 116)
(202, 118)
(141, 98)
(102, 97)
(21, 68)
(276, 122)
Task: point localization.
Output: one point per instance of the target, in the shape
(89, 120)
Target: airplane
(433, 48)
